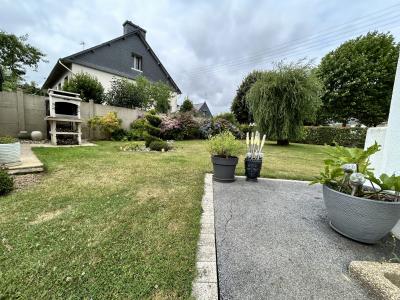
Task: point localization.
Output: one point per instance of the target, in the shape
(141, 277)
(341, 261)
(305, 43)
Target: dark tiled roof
(115, 57)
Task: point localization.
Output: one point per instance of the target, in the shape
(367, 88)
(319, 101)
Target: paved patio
(274, 242)
(30, 163)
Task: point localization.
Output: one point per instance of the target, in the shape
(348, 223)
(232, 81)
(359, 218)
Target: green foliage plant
(358, 77)
(88, 86)
(7, 140)
(187, 105)
(6, 183)
(108, 123)
(282, 99)
(347, 169)
(240, 107)
(224, 145)
(157, 145)
(160, 94)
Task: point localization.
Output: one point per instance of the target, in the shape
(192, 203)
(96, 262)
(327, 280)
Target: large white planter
(10, 153)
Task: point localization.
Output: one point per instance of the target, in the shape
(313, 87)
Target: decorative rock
(37, 135)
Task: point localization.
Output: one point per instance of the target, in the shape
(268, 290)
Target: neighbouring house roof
(203, 108)
(115, 57)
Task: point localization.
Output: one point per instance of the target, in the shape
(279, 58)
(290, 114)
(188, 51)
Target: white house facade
(127, 56)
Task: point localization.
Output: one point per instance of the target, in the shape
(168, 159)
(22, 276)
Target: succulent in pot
(10, 150)
(253, 160)
(360, 205)
(224, 149)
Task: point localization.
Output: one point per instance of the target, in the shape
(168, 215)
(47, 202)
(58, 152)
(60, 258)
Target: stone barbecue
(64, 117)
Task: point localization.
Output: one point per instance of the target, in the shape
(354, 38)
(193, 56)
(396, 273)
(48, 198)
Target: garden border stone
(205, 285)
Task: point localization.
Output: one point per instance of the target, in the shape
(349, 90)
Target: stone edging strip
(205, 286)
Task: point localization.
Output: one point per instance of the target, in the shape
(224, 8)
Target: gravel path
(274, 242)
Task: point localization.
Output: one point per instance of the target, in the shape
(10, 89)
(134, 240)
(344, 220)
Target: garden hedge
(343, 136)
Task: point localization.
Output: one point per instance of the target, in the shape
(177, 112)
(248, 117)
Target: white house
(126, 56)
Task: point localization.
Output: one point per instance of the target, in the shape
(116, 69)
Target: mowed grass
(109, 224)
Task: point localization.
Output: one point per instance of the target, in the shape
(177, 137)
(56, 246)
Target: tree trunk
(282, 142)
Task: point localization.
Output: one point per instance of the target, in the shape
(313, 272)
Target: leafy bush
(189, 126)
(141, 126)
(210, 128)
(6, 183)
(187, 105)
(119, 134)
(230, 117)
(134, 135)
(148, 139)
(171, 128)
(153, 119)
(160, 94)
(7, 140)
(87, 86)
(107, 123)
(244, 128)
(347, 169)
(343, 136)
(126, 93)
(224, 144)
(180, 127)
(159, 146)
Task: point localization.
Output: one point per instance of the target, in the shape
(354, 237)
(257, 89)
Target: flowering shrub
(170, 128)
(210, 128)
(182, 126)
(107, 123)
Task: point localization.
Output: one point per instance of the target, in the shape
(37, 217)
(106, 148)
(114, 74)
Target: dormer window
(137, 62)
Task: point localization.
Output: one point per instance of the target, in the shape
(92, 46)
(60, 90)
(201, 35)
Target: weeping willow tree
(284, 98)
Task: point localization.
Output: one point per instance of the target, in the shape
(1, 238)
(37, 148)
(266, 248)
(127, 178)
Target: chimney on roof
(130, 27)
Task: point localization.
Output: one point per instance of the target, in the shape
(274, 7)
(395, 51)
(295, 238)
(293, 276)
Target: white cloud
(192, 38)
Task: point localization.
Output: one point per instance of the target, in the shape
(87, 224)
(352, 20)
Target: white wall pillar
(391, 150)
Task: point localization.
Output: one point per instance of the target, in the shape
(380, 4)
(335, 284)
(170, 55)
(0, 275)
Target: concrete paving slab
(382, 278)
(274, 242)
(29, 162)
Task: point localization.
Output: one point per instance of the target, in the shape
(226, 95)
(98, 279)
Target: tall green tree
(88, 86)
(239, 105)
(126, 93)
(161, 93)
(284, 98)
(358, 79)
(16, 55)
(187, 105)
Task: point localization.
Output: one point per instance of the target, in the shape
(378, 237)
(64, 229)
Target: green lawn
(109, 224)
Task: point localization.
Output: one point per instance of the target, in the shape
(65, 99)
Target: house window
(59, 86)
(65, 80)
(137, 62)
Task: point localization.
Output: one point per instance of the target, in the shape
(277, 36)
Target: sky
(207, 46)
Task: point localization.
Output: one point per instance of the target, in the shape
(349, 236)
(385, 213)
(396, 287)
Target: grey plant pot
(10, 153)
(360, 219)
(224, 168)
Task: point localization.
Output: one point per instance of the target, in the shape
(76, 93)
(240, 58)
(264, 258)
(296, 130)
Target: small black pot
(252, 168)
(224, 168)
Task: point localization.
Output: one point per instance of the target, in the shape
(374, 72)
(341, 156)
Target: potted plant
(10, 150)
(359, 205)
(253, 160)
(223, 148)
